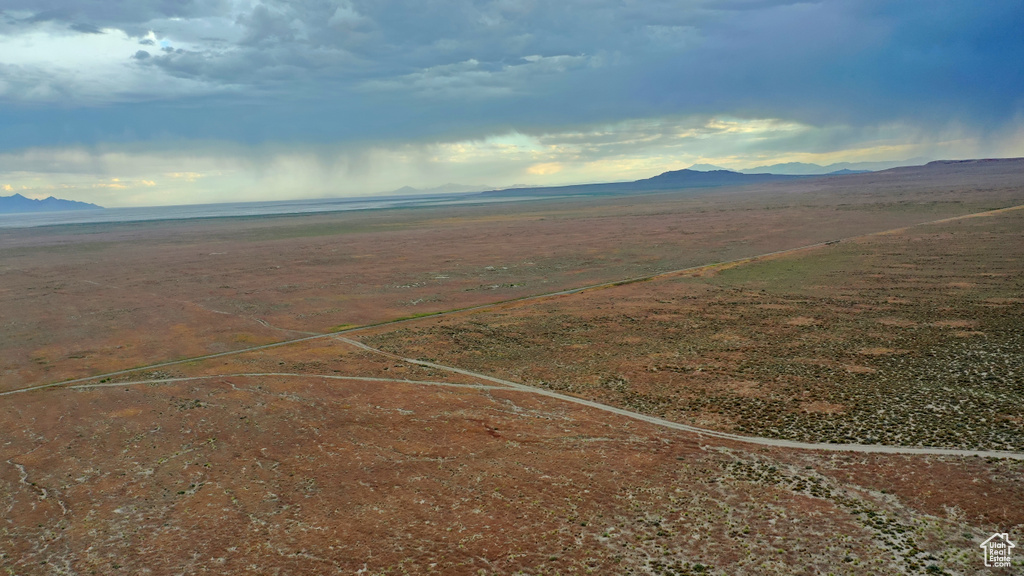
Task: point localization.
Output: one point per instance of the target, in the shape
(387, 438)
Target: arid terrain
(426, 390)
(909, 338)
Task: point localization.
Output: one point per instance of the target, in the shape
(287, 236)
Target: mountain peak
(705, 168)
(16, 203)
(688, 178)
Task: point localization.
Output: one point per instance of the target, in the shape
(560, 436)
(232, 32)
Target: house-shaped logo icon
(997, 550)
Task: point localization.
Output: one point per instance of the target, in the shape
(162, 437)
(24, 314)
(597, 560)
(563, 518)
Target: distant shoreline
(240, 210)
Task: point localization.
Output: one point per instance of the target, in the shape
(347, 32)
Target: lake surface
(28, 220)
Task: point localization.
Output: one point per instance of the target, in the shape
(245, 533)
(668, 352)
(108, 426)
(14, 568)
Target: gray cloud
(124, 14)
(86, 29)
(369, 69)
(29, 83)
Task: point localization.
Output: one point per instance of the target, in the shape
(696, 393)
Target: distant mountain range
(449, 188)
(19, 204)
(806, 169)
(695, 179)
(443, 189)
(672, 180)
(696, 176)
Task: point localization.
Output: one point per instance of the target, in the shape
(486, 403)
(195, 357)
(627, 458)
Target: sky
(158, 102)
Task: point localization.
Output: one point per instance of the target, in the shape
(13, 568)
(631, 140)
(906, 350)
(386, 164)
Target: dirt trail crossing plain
(324, 458)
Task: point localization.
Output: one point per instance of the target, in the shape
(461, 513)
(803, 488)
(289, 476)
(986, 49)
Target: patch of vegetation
(794, 275)
(899, 534)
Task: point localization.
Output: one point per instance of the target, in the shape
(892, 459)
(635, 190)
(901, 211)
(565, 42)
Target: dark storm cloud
(377, 69)
(125, 14)
(85, 29)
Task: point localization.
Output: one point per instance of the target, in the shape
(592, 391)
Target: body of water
(234, 209)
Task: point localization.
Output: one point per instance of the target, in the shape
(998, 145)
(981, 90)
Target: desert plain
(821, 376)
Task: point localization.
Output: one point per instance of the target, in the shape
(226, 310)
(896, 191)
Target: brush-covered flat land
(380, 393)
